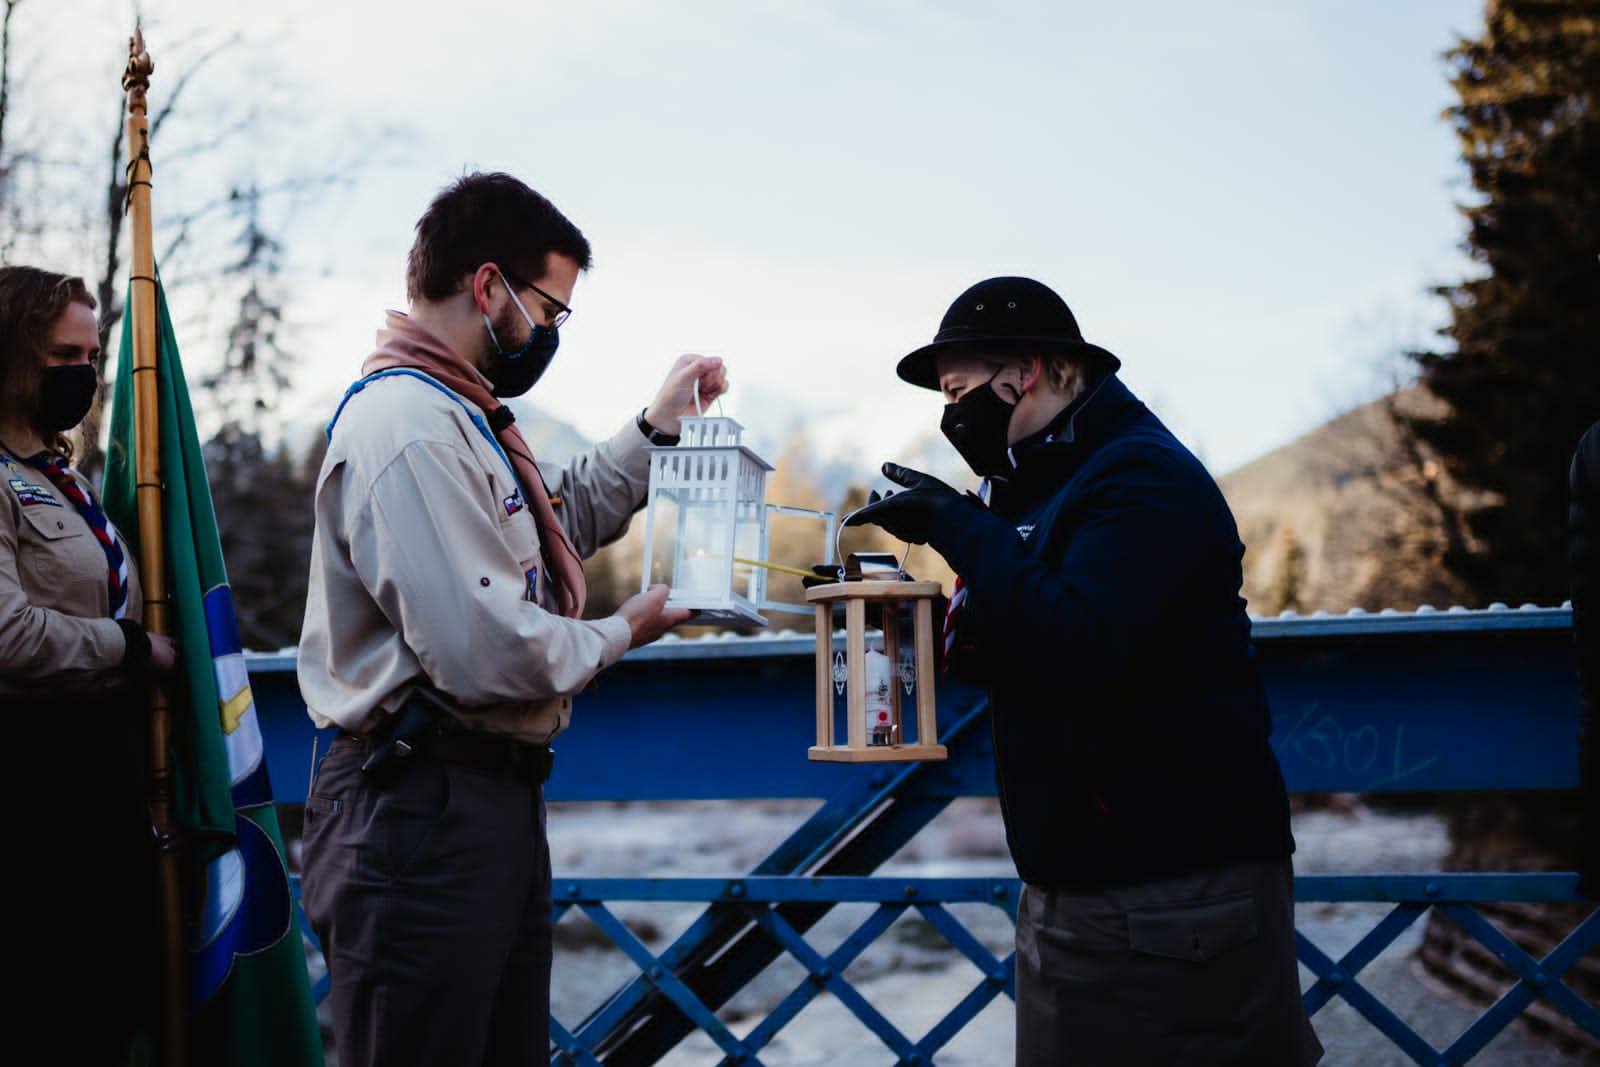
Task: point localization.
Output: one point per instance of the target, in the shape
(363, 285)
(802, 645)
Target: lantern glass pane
(703, 570)
(664, 519)
(748, 543)
(890, 672)
(691, 519)
(750, 535)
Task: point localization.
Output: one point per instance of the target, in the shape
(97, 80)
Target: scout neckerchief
(54, 467)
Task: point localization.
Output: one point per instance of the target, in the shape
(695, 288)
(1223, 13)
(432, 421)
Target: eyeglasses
(562, 312)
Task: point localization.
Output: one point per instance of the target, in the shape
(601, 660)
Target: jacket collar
(1046, 459)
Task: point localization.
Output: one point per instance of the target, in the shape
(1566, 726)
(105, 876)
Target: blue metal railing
(1450, 701)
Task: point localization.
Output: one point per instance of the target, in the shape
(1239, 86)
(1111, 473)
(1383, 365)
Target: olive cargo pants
(1195, 970)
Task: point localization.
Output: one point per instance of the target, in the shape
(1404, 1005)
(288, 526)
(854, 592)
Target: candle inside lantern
(702, 575)
(880, 698)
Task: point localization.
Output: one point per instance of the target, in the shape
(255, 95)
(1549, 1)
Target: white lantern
(706, 525)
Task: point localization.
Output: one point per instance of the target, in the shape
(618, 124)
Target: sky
(1247, 202)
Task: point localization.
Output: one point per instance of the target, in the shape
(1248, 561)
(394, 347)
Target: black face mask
(513, 372)
(65, 396)
(978, 425)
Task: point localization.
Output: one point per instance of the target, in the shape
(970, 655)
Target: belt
(504, 756)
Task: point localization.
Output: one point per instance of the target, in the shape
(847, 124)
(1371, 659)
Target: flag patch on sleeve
(28, 493)
(514, 503)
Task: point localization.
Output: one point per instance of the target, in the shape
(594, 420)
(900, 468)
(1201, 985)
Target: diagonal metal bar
(573, 1052)
(1374, 1010)
(1380, 937)
(1003, 980)
(1535, 979)
(842, 957)
(667, 982)
(959, 936)
(854, 833)
(999, 976)
(321, 988)
(770, 921)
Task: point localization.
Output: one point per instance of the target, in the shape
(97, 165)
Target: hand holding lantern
(692, 384)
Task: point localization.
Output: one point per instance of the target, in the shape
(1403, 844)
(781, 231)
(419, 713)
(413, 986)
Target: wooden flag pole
(152, 554)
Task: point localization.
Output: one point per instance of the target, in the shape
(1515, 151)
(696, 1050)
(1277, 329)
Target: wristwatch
(653, 435)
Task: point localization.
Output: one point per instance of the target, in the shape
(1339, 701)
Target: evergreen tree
(262, 495)
(1521, 378)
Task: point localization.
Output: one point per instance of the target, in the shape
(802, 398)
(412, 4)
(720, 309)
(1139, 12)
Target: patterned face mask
(514, 373)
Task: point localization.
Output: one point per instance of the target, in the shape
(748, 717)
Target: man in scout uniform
(1098, 604)
(444, 636)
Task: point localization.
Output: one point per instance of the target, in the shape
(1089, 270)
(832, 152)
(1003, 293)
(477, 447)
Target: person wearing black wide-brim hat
(1098, 604)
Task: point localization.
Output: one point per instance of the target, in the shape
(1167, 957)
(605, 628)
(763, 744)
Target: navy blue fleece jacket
(1104, 620)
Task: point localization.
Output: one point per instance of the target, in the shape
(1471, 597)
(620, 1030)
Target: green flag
(249, 995)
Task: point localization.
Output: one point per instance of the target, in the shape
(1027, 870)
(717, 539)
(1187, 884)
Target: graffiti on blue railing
(1371, 755)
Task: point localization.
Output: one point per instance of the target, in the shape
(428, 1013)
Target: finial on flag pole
(136, 78)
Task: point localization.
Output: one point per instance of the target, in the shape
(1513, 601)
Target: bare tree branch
(211, 143)
(184, 80)
(116, 195)
(111, 308)
(5, 89)
(187, 221)
(1427, 473)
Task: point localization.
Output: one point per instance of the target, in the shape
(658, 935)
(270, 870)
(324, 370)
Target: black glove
(914, 514)
(821, 574)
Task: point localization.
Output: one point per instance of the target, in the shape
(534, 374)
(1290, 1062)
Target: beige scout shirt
(420, 567)
(56, 630)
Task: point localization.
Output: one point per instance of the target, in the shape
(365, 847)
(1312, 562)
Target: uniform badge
(28, 493)
(514, 503)
(1025, 531)
(533, 584)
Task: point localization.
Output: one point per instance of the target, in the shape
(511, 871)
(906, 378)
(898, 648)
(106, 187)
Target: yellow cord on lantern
(798, 572)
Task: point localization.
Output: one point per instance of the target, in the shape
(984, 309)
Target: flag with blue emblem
(249, 995)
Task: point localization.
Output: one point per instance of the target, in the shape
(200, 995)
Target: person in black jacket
(1583, 550)
(1098, 604)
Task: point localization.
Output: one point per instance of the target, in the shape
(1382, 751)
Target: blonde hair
(1067, 374)
(1061, 367)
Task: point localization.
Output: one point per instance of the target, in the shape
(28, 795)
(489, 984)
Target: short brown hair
(32, 301)
(484, 218)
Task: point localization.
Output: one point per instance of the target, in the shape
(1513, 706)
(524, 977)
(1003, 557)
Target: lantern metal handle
(838, 545)
(699, 409)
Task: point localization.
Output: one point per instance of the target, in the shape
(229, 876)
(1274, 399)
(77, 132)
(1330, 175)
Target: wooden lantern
(877, 715)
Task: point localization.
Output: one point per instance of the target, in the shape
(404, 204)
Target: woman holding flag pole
(225, 978)
(73, 655)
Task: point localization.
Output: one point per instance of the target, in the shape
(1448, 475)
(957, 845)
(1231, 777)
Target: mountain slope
(1344, 517)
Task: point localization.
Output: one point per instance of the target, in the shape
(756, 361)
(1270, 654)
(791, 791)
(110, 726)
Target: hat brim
(920, 368)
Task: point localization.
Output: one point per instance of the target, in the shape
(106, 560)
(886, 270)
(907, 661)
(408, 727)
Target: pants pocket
(405, 816)
(1196, 932)
(1207, 966)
